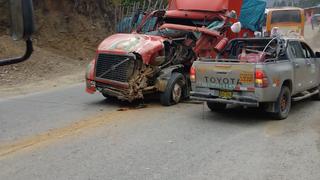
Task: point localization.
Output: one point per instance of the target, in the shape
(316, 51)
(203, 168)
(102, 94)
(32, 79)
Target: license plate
(225, 94)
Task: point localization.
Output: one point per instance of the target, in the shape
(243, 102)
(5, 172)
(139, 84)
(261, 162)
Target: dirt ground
(44, 70)
(313, 37)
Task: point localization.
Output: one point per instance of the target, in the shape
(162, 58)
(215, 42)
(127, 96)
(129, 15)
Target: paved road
(66, 134)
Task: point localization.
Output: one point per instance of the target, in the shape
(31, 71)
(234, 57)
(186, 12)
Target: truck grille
(115, 70)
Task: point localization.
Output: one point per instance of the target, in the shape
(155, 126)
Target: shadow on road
(255, 115)
(245, 116)
(123, 105)
(234, 114)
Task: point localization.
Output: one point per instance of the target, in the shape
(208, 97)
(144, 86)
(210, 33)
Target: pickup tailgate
(226, 76)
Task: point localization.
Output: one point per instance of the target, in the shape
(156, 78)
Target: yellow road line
(59, 133)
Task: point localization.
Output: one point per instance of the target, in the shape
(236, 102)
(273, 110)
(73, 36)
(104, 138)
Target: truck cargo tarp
(252, 14)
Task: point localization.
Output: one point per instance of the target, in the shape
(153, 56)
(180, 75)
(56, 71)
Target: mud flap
(270, 108)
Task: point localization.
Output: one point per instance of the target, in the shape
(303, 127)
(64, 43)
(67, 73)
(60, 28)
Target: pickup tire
(216, 106)
(283, 104)
(174, 90)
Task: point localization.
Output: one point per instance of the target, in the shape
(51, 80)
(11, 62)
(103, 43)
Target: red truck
(157, 58)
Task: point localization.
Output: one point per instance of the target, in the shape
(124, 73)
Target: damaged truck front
(157, 55)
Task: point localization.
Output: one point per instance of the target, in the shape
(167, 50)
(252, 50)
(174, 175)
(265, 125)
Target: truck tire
(283, 104)
(174, 90)
(216, 106)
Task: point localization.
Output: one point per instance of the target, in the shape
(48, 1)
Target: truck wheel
(174, 91)
(283, 104)
(216, 106)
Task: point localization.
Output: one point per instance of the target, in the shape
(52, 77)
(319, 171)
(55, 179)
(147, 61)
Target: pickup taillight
(193, 74)
(261, 79)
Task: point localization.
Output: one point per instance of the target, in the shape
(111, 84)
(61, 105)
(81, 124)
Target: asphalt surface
(67, 134)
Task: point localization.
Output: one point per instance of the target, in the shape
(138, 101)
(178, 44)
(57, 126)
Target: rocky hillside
(67, 33)
(73, 27)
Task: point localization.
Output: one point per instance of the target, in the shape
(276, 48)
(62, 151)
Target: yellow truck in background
(288, 20)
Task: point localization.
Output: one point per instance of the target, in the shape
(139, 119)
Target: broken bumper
(238, 100)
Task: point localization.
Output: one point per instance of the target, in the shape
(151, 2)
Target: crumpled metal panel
(199, 5)
(145, 45)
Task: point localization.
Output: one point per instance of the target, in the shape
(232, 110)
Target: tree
(308, 3)
(282, 4)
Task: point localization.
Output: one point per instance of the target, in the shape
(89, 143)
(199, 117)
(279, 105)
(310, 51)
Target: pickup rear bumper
(238, 100)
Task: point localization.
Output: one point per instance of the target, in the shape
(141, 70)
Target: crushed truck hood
(145, 45)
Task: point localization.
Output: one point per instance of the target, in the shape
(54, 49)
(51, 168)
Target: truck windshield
(174, 33)
(149, 24)
(287, 16)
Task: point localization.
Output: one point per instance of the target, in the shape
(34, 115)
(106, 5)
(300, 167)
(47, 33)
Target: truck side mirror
(317, 54)
(22, 27)
(22, 24)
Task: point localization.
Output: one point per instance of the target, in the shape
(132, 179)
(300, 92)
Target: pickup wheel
(216, 106)
(283, 104)
(174, 90)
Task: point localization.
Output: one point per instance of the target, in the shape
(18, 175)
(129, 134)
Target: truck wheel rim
(176, 93)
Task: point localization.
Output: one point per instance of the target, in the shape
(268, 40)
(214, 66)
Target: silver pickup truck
(254, 72)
